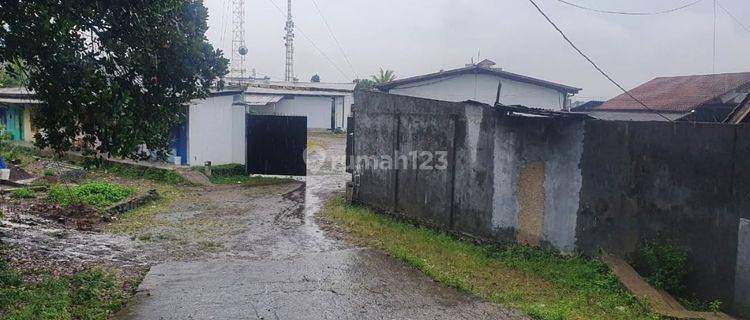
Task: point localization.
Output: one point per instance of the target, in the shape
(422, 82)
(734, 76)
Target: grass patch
(542, 284)
(86, 295)
(95, 194)
(23, 193)
(138, 173)
(236, 174)
(210, 246)
(250, 181)
(140, 222)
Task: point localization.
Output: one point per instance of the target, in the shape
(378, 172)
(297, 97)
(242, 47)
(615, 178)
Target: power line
(330, 31)
(311, 42)
(593, 63)
(628, 13)
(733, 17)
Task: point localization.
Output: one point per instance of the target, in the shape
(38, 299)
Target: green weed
(137, 173)
(95, 194)
(23, 193)
(236, 174)
(664, 266)
(86, 295)
(541, 283)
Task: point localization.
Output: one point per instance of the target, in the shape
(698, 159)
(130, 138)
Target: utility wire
(594, 63)
(627, 13)
(311, 42)
(330, 31)
(733, 17)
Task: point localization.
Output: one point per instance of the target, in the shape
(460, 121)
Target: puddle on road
(318, 189)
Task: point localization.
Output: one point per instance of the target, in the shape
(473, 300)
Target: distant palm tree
(384, 76)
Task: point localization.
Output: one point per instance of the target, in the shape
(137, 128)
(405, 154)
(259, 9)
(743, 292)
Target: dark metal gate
(276, 145)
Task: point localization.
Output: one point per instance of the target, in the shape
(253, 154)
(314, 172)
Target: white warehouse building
(215, 130)
(480, 82)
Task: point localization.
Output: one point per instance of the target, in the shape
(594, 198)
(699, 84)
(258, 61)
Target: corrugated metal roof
(261, 100)
(296, 92)
(19, 101)
(677, 94)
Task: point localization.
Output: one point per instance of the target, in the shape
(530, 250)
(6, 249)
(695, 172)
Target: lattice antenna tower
(239, 49)
(289, 37)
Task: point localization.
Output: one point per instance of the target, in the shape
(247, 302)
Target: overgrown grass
(157, 175)
(86, 295)
(665, 266)
(23, 193)
(543, 284)
(236, 174)
(138, 223)
(95, 194)
(250, 181)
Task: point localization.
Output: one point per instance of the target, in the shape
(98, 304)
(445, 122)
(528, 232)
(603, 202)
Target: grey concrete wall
(742, 281)
(381, 131)
(571, 185)
(742, 201)
(555, 144)
(654, 181)
(478, 194)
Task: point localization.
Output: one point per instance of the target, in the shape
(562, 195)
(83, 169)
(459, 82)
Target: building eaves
(479, 70)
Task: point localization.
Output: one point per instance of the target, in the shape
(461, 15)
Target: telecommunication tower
(289, 74)
(239, 50)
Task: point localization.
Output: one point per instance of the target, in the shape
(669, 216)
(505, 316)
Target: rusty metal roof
(677, 94)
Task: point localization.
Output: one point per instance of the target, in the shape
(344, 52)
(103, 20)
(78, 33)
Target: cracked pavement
(283, 266)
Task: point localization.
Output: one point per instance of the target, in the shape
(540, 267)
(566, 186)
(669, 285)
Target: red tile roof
(677, 94)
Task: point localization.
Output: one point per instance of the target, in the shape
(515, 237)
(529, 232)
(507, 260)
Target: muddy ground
(230, 252)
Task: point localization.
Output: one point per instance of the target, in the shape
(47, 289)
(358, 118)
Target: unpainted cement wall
(572, 185)
(646, 182)
(478, 193)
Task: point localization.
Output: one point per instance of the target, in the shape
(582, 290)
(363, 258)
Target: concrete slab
(346, 284)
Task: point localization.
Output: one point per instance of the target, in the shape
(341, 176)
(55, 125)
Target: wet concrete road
(283, 266)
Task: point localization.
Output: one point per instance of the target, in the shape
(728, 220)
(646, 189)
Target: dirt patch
(18, 174)
(81, 218)
(35, 245)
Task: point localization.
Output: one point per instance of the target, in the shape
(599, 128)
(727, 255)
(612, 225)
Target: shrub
(24, 193)
(665, 266)
(90, 294)
(229, 170)
(95, 194)
(153, 174)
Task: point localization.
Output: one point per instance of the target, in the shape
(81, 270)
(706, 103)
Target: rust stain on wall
(531, 204)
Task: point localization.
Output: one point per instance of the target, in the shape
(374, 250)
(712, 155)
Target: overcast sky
(414, 37)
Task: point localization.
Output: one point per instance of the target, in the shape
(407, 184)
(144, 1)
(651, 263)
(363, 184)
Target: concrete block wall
(576, 186)
(651, 182)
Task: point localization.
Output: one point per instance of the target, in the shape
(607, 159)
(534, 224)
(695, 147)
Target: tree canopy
(12, 75)
(115, 74)
(315, 78)
(383, 76)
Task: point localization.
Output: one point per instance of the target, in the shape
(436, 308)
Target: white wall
(316, 109)
(216, 132)
(483, 88)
